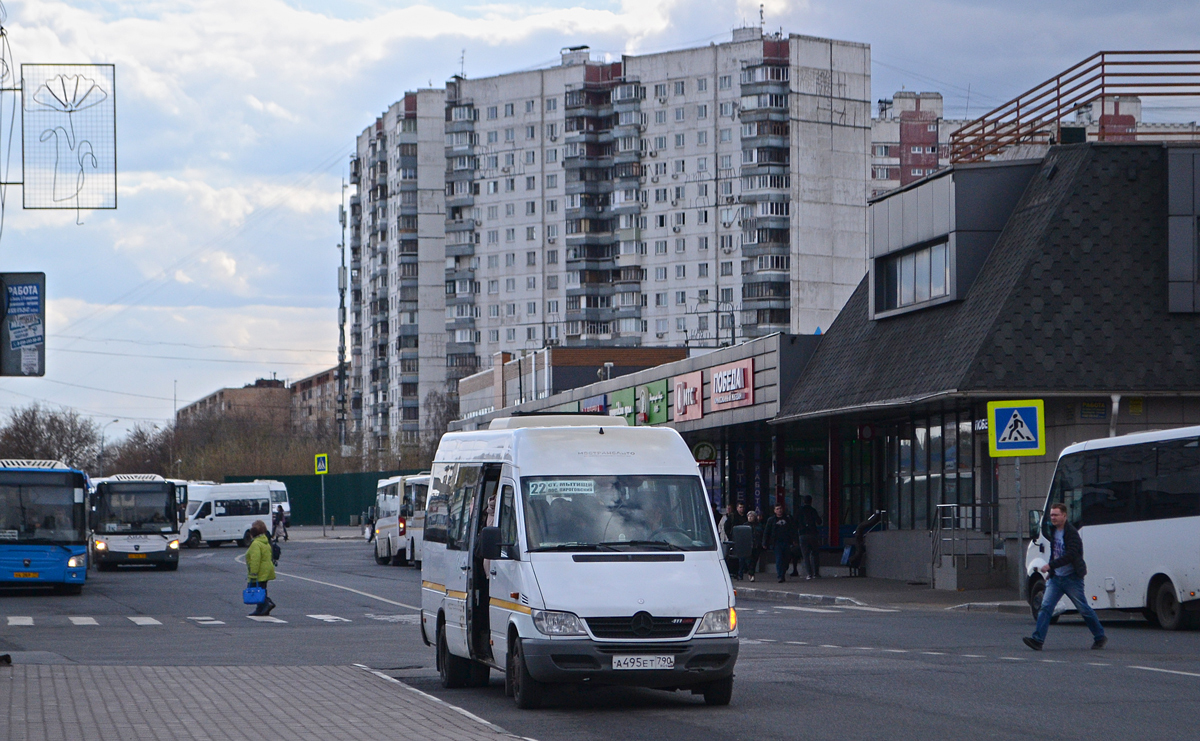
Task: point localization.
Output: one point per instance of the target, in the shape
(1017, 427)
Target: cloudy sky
(236, 119)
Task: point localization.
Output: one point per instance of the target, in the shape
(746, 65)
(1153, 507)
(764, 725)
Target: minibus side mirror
(1035, 523)
(743, 541)
(489, 543)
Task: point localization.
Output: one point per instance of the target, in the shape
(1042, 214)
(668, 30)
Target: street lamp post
(103, 430)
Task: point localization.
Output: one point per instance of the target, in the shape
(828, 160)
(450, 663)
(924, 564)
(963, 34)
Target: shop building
(1071, 278)
(721, 402)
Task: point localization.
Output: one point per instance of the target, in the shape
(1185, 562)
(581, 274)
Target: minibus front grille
(631, 628)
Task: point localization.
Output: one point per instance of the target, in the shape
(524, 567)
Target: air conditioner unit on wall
(653, 152)
(729, 199)
(675, 229)
(551, 240)
(662, 100)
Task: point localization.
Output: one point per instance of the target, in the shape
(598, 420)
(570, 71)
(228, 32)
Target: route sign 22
(1016, 428)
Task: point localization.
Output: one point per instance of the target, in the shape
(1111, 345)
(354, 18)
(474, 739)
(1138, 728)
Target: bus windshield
(129, 508)
(41, 508)
(616, 513)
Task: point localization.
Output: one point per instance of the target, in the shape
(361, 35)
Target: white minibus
(400, 519)
(279, 497)
(572, 550)
(134, 522)
(224, 512)
(1136, 502)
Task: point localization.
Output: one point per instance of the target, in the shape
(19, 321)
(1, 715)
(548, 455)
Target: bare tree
(64, 434)
(441, 408)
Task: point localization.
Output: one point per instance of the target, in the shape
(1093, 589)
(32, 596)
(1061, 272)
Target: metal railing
(958, 527)
(1036, 115)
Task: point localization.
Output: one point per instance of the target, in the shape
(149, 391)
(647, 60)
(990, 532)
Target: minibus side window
(466, 483)
(204, 511)
(437, 512)
(507, 522)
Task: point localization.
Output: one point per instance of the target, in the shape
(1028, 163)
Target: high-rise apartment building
(397, 266)
(910, 139)
(699, 196)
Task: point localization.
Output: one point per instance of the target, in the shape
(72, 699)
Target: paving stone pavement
(216, 703)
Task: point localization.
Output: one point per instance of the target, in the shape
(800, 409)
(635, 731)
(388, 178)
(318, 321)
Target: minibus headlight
(101, 545)
(718, 621)
(75, 562)
(553, 623)
(174, 544)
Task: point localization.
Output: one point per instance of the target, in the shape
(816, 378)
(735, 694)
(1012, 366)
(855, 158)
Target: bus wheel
(193, 539)
(453, 670)
(719, 692)
(527, 691)
(1167, 607)
(1150, 615)
(400, 558)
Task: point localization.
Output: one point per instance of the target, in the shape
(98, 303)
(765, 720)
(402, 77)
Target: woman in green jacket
(259, 566)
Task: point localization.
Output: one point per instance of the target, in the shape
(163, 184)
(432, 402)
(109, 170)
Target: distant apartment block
(265, 400)
(314, 404)
(910, 139)
(693, 197)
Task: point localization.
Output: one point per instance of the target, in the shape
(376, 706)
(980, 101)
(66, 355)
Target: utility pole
(341, 369)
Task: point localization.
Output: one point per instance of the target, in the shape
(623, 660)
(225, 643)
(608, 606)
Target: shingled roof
(1071, 300)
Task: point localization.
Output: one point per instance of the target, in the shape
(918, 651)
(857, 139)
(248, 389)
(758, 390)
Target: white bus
(400, 519)
(416, 491)
(220, 513)
(135, 522)
(1136, 502)
(575, 550)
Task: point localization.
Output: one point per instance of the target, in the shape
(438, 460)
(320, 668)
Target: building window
(914, 277)
(552, 307)
(660, 117)
(492, 112)
(531, 258)
(725, 82)
(531, 283)
(701, 112)
(551, 257)
(702, 270)
(918, 172)
(701, 138)
(680, 298)
(680, 245)
(680, 272)
(680, 114)
(510, 334)
(660, 247)
(510, 285)
(494, 311)
(701, 84)
(493, 335)
(493, 286)
(531, 308)
(508, 110)
(680, 140)
(727, 268)
(660, 273)
(660, 299)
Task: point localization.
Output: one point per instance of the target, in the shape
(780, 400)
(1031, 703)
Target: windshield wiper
(669, 546)
(573, 547)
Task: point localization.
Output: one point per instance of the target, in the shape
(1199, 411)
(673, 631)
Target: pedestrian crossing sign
(1016, 428)
(322, 463)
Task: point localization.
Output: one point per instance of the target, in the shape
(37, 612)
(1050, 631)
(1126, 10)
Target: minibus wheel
(719, 692)
(246, 538)
(1037, 590)
(453, 670)
(527, 691)
(193, 539)
(381, 560)
(1167, 607)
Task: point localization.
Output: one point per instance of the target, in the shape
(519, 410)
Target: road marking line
(972, 656)
(1097, 663)
(329, 618)
(933, 653)
(265, 619)
(84, 621)
(438, 700)
(144, 621)
(862, 648)
(19, 620)
(769, 640)
(864, 608)
(242, 559)
(1165, 671)
(1011, 658)
(806, 609)
(202, 617)
(749, 641)
(826, 645)
(797, 643)
(210, 622)
(896, 650)
(1051, 661)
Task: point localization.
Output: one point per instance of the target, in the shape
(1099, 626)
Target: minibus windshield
(616, 513)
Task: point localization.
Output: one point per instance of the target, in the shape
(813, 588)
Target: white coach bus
(1136, 502)
(135, 522)
(575, 550)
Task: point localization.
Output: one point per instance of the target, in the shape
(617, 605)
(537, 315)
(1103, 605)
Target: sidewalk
(875, 593)
(313, 532)
(214, 703)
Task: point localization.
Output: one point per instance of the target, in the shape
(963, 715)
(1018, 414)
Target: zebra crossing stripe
(265, 619)
(84, 621)
(20, 620)
(140, 620)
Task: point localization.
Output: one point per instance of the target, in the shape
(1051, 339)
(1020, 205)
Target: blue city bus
(43, 525)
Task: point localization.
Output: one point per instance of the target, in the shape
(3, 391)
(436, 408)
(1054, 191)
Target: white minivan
(219, 513)
(400, 519)
(573, 549)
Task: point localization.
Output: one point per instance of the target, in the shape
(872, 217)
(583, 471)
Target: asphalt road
(804, 672)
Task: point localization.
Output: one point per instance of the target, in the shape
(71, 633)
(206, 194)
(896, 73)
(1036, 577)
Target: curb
(780, 595)
(1012, 608)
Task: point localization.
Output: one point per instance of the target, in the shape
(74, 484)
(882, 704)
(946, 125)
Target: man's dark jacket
(1072, 551)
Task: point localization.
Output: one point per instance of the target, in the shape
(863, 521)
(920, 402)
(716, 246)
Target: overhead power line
(173, 357)
(193, 345)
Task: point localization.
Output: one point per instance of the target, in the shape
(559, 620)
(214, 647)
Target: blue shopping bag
(254, 595)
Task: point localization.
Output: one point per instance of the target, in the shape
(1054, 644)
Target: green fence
(346, 494)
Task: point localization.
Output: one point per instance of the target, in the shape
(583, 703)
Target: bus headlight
(101, 545)
(174, 544)
(75, 562)
(718, 621)
(553, 623)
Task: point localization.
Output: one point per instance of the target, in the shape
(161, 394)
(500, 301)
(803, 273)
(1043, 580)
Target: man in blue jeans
(1064, 575)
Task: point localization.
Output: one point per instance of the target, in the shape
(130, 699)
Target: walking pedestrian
(259, 567)
(780, 536)
(278, 530)
(1064, 575)
(748, 566)
(810, 524)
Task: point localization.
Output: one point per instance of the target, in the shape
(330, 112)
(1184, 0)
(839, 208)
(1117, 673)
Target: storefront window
(926, 463)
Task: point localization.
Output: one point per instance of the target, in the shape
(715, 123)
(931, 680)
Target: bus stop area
(70, 701)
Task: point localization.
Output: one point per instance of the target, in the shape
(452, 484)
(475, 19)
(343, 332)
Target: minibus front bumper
(697, 662)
